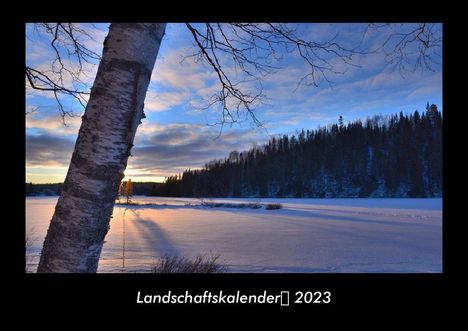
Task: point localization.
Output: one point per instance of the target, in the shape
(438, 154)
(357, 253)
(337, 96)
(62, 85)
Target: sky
(178, 134)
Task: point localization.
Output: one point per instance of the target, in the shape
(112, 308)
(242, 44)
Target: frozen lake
(307, 235)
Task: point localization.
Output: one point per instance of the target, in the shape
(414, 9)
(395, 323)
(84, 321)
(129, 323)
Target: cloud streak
(48, 151)
(176, 147)
(160, 151)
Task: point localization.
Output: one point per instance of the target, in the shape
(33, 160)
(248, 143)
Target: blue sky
(177, 135)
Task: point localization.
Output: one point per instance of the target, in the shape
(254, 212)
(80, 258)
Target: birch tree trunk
(76, 233)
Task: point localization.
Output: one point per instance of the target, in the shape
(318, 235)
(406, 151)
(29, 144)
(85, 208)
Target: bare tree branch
(66, 69)
(241, 55)
(414, 46)
(32, 111)
(232, 98)
(255, 50)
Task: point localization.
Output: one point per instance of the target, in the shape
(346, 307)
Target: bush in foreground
(272, 206)
(202, 264)
(252, 205)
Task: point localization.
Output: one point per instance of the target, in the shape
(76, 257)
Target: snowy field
(307, 235)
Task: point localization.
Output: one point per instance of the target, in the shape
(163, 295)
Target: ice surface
(307, 235)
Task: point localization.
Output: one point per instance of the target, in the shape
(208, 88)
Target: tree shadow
(154, 237)
(285, 213)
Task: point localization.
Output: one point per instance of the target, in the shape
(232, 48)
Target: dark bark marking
(105, 172)
(128, 66)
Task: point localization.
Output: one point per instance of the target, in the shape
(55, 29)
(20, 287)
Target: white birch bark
(76, 233)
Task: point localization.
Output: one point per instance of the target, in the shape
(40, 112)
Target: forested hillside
(391, 156)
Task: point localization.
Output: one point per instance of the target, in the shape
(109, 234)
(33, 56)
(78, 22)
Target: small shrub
(272, 206)
(130, 203)
(256, 204)
(253, 205)
(202, 264)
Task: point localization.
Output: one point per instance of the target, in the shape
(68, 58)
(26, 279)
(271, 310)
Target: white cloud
(157, 101)
(53, 123)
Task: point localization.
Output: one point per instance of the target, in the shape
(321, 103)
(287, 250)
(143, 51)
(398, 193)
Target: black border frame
(363, 293)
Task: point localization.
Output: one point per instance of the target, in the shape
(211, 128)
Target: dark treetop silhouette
(393, 156)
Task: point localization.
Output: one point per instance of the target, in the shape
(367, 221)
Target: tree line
(53, 189)
(385, 156)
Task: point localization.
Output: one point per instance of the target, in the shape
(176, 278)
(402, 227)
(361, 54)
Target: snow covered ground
(307, 235)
